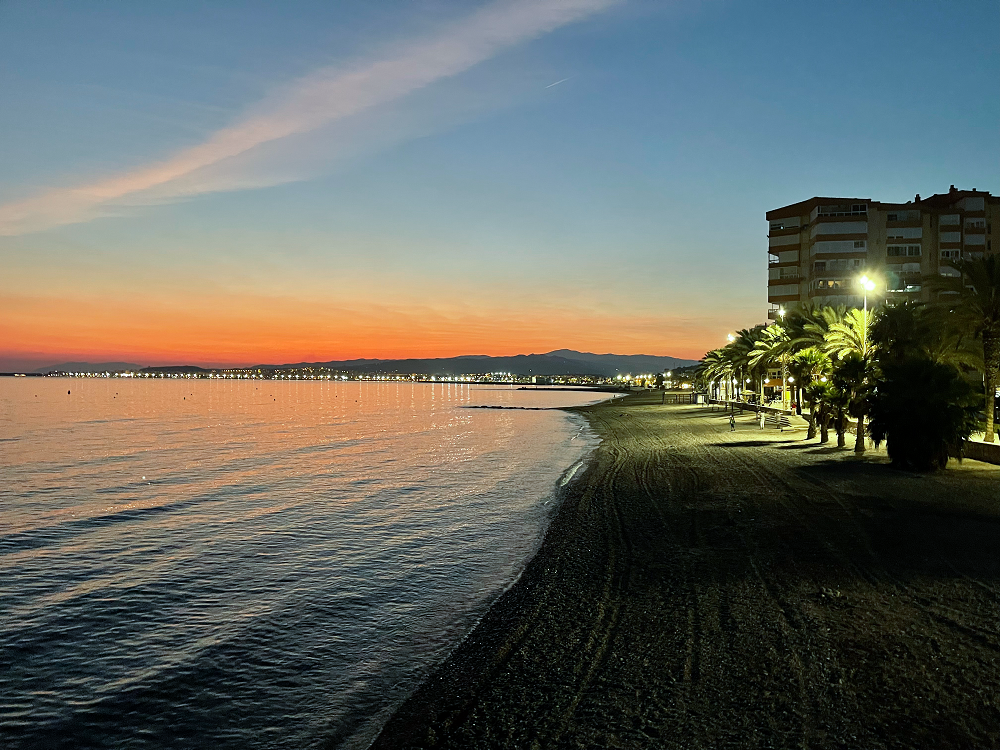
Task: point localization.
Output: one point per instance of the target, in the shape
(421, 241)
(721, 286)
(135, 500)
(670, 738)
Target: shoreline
(454, 684)
(701, 588)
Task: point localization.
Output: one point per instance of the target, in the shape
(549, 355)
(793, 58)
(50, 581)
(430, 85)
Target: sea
(256, 563)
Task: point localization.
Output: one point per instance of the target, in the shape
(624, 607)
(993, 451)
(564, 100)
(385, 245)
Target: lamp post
(729, 395)
(784, 386)
(867, 285)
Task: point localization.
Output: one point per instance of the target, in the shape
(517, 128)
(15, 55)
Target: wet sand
(706, 589)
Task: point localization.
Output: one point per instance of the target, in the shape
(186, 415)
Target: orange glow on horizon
(257, 330)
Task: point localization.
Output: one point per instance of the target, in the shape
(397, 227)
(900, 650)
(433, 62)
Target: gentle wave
(186, 564)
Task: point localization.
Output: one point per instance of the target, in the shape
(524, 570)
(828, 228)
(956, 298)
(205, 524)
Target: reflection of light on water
(341, 535)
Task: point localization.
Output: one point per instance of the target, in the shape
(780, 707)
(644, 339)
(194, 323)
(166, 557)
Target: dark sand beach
(706, 589)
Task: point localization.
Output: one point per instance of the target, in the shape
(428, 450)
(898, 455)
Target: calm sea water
(240, 564)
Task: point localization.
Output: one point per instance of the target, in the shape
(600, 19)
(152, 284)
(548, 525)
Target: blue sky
(454, 202)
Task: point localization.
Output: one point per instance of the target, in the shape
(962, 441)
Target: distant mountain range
(559, 362)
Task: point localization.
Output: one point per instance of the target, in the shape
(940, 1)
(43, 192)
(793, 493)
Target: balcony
(842, 211)
(905, 282)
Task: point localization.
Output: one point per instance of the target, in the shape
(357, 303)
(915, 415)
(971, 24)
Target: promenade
(701, 588)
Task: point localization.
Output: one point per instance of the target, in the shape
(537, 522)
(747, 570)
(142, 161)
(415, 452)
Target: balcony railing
(843, 213)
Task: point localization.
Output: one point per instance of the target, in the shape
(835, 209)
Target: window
(975, 224)
(856, 209)
(831, 284)
(840, 264)
(788, 273)
(859, 243)
(902, 251)
(949, 254)
(903, 216)
(902, 282)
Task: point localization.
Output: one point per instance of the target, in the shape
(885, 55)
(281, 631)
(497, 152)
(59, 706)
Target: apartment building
(819, 248)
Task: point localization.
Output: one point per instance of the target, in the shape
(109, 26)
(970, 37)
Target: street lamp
(868, 285)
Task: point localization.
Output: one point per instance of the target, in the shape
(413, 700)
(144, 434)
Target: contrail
(317, 99)
(558, 82)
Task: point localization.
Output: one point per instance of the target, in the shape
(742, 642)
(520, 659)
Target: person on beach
(761, 416)
(732, 422)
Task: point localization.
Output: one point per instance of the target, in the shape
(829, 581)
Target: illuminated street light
(868, 285)
(731, 338)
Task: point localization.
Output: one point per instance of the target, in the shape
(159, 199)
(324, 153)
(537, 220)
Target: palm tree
(804, 365)
(911, 330)
(975, 300)
(920, 438)
(853, 376)
(809, 326)
(849, 339)
(838, 402)
(740, 350)
(774, 346)
(819, 396)
(714, 367)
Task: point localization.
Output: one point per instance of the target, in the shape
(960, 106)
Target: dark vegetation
(924, 374)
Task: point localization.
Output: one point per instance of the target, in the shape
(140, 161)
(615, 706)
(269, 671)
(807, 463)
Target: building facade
(819, 248)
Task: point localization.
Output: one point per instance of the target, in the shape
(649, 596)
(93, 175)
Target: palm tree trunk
(811, 433)
(991, 359)
(824, 431)
(991, 389)
(859, 442)
(841, 439)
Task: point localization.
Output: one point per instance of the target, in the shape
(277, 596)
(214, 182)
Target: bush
(922, 409)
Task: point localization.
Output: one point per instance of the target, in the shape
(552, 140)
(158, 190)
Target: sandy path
(704, 589)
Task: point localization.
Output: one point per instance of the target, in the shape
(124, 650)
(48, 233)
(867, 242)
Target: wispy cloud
(316, 100)
(563, 80)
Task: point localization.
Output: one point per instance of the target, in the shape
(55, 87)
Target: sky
(255, 182)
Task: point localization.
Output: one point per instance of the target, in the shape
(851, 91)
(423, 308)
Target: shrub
(921, 409)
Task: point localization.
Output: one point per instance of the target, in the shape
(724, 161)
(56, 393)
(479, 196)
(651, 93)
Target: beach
(701, 588)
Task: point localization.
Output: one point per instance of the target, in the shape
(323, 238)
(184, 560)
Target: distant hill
(560, 362)
(89, 367)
